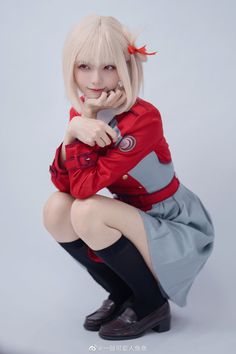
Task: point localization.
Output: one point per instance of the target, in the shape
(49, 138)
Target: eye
(83, 66)
(111, 67)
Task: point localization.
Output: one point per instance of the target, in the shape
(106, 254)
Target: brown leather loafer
(127, 326)
(108, 311)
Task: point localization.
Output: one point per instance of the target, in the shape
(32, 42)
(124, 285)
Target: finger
(102, 98)
(111, 132)
(90, 142)
(120, 100)
(120, 88)
(102, 141)
(105, 138)
(111, 97)
(118, 91)
(109, 92)
(114, 96)
(118, 94)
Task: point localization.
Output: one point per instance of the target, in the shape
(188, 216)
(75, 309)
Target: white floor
(46, 295)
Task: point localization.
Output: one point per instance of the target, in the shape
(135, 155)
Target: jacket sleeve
(90, 171)
(59, 174)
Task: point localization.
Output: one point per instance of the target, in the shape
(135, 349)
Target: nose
(96, 78)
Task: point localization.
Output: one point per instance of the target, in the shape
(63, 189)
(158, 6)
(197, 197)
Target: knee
(55, 209)
(82, 214)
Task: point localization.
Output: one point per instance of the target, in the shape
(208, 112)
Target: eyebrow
(86, 63)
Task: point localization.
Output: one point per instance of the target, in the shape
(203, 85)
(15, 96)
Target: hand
(91, 131)
(111, 99)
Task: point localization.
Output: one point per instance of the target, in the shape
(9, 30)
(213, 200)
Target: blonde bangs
(95, 50)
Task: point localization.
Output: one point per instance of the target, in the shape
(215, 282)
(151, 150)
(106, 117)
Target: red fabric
(73, 113)
(59, 174)
(89, 169)
(105, 170)
(146, 201)
(94, 257)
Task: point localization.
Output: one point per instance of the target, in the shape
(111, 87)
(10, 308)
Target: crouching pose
(146, 245)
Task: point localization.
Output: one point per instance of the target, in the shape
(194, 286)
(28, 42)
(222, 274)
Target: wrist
(89, 113)
(68, 138)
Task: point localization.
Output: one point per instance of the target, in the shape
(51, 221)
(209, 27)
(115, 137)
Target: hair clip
(142, 50)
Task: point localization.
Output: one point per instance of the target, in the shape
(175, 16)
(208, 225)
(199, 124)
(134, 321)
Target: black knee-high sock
(125, 259)
(101, 272)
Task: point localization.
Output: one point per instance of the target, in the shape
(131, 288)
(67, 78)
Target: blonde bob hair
(102, 40)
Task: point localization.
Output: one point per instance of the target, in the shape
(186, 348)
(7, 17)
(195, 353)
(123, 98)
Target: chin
(93, 94)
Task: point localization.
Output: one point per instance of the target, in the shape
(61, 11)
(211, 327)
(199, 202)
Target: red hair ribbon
(132, 50)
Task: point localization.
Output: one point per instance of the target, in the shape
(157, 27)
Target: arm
(59, 174)
(90, 171)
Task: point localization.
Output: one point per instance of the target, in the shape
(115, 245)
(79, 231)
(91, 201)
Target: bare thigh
(102, 217)
(56, 217)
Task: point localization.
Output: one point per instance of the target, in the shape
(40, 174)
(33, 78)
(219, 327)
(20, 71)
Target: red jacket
(136, 169)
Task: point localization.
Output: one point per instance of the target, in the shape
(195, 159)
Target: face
(88, 77)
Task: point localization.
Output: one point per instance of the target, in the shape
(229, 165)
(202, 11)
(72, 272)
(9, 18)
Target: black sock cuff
(116, 247)
(78, 243)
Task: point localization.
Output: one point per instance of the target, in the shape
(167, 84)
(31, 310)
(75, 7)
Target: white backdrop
(45, 294)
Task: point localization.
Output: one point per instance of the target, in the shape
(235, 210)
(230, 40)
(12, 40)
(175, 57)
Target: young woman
(146, 245)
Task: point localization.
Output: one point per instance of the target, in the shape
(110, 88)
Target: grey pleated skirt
(180, 237)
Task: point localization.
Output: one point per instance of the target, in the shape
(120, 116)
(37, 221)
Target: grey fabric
(160, 177)
(180, 235)
(106, 114)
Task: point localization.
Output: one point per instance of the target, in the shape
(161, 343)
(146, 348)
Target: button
(140, 187)
(87, 158)
(125, 177)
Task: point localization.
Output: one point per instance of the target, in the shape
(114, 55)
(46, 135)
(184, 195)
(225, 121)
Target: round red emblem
(127, 143)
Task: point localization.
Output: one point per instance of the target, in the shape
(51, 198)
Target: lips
(97, 90)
